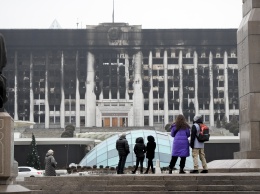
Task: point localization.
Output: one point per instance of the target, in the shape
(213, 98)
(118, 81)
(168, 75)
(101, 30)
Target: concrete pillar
(226, 86)
(248, 38)
(8, 167)
(196, 102)
(138, 97)
(47, 108)
(211, 103)
(151, 89)
(166, 107)
(31, 90)
(181, 84)
(126, 77)
(62, 105)
(15, 87)
(77, 92)
(90, 97)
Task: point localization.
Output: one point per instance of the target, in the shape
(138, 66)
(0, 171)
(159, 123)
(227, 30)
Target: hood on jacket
(150, 138)
(123, 136)
(139, 140)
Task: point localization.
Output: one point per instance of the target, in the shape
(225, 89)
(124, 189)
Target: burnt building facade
(116, 75)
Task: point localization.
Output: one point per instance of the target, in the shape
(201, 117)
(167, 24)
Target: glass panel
(101, 145)
(104, 163)
(112, 153)
(165, 158)
(164, 149)
(92, 162)
(130, 157)
(91, 156)
(111, 146)
(164, 142)
(113, 161)
(112, 139)
(102, 157)
(162, 135)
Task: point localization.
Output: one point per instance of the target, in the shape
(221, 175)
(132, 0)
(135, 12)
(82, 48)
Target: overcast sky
(148, 13)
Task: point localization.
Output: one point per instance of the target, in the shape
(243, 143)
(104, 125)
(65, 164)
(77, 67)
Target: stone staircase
(211, 183)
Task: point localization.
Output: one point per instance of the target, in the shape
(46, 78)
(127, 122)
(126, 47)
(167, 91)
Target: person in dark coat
(150, 150)
(180, 130)
(122, 147)
(3, 62)
(139, 151)
(3, 57)
(50, 164)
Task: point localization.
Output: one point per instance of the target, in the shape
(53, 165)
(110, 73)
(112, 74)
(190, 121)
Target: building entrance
(115, 122)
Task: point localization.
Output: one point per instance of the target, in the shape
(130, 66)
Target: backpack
(204, 133)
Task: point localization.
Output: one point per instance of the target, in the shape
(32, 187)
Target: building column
(127, 77)
(196, 102)
(62, 105)
(46, 101)
(15, 87)
(226, 96)
(31, 91)
(77, 92)
(117, 71)
(151, 89)
(211, 103)
(166, 105)
(90, 97)
(138, 96)
(181, 84)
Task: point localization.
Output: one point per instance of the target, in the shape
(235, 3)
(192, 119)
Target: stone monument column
(248, 45)
(8, 167)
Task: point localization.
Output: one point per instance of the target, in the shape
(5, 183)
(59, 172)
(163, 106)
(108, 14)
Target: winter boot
(204, 171)
(182, 171)
(194, 171)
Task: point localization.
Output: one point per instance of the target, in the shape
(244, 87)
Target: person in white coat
(197, 147)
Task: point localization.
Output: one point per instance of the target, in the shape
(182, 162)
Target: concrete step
(144, 192)
(164, 183)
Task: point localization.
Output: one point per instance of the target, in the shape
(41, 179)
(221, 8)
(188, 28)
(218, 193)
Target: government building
(120, 75)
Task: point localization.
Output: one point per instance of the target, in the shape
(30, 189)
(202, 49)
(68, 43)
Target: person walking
(139, 151)
(197, 147)
(122, 147)
(150, 150)
(180, 130)
(50, 164)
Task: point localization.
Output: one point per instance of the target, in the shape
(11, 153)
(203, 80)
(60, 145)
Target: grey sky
(148, 13)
